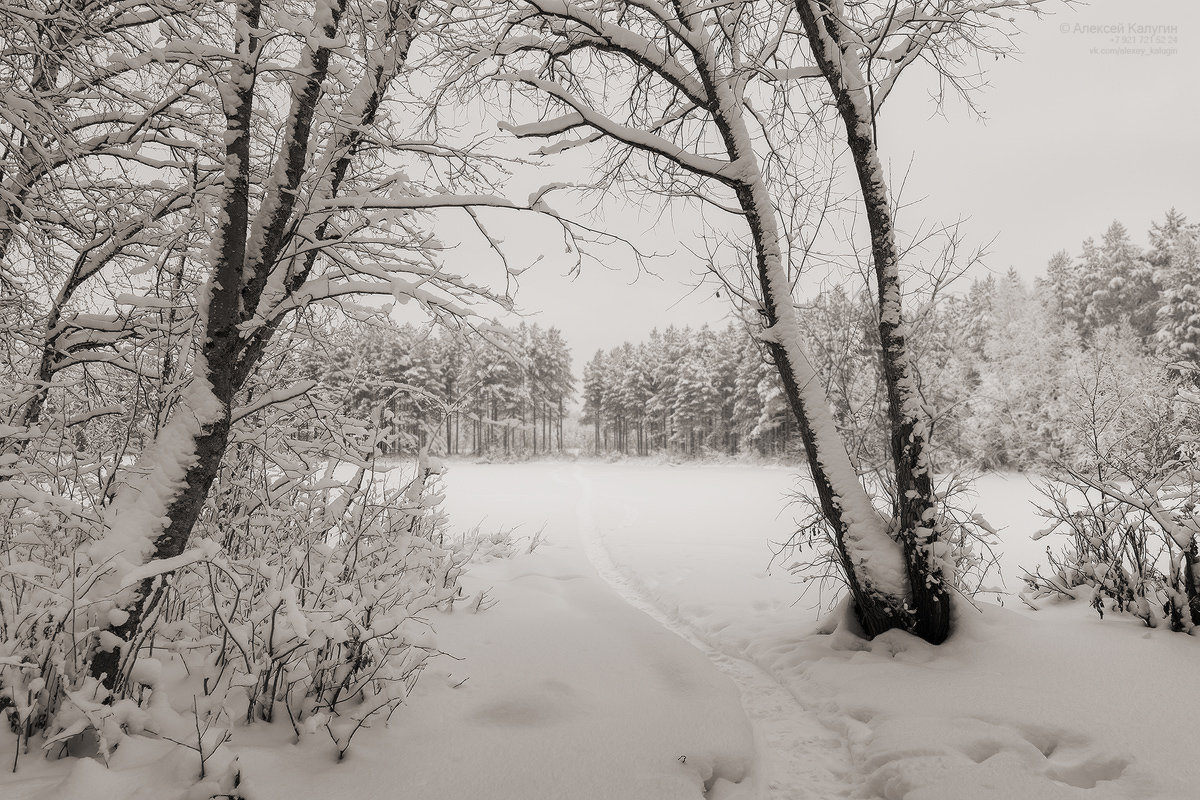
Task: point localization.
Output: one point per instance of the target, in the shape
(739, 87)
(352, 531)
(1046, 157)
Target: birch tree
(724, 100)
(861, 49)
(311, 205)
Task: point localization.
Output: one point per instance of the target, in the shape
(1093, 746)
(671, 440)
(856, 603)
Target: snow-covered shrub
(1130, 548)
(49, 510)
(1127, 501)
(310, 607)
(80, 393)
(323, 622)
(300, 598)
(480, 545)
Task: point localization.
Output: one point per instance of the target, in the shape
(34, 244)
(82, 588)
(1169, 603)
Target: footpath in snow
(798, 756)
(564, 690)
(1037, 706)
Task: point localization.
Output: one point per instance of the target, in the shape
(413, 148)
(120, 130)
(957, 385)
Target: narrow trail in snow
(798, 757)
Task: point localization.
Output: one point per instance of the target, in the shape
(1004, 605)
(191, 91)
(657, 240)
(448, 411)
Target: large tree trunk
(871, 559)
(243, 259)
(203, 445)
(876, 612)
(915, 503)
(209, 446)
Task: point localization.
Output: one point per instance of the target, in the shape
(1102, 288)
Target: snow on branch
(545, 128)
(1182, 530)
(368, 202)
(782, 74)
(579, 29)
(643, 140)
(271, 398)
(882, 39)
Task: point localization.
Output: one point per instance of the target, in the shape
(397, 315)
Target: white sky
(1073, 140)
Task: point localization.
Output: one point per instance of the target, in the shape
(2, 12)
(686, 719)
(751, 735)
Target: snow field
(563, 690)
(646, 650)
(1053, 704)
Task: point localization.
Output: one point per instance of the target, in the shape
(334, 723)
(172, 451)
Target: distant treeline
(687, 392)
(1013, 376)
(504, 393)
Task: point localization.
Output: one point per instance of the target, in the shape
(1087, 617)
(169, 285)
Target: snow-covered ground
(647, 650)
(1052, 704)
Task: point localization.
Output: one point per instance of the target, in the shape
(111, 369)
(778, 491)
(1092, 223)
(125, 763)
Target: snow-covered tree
(691, 77)
(98, 179)
(595, 393)
(1019, 406)
(328, 217)
(1109, 283)
(1175, 256)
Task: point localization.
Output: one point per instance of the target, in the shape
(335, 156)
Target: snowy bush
(1127, 502)
(479, 545)
(1130, 548)
(300, 598)
(50, 495)
(318, 618)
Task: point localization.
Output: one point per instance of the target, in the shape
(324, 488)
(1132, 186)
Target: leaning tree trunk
(871, 561)
(207, 441)
(245, 258)
(878, 610)
(208, 446)
(915, 503)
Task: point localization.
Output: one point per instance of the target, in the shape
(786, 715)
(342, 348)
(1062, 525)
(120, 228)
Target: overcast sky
(1074, 138)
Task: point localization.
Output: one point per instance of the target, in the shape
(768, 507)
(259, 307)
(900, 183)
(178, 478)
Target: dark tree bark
(914, 501)
(245, 253)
